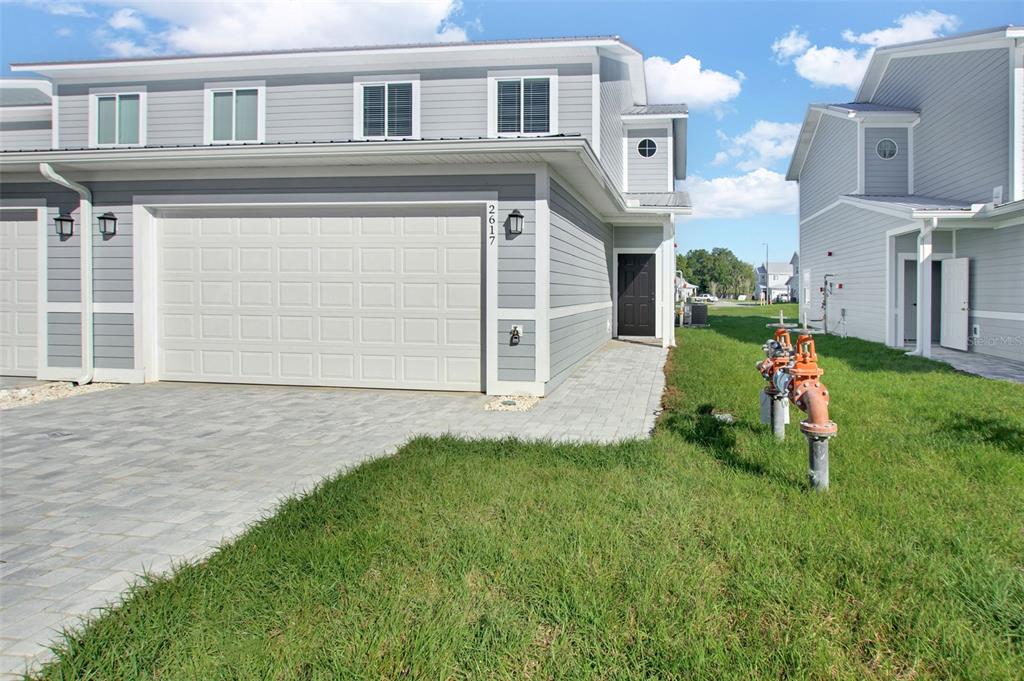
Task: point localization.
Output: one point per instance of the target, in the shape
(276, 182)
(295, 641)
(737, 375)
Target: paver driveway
(99, 487)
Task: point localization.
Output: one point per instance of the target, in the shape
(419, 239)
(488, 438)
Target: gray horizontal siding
(517, 362)
(581, 251)
(885, 177)
(830, 169)
(647, 174)
(64, 339)
(616, 97)
(638, 237)
(574, 338)
(21, 135)
(319, 107)
(113, 340)
(996, 267)
(961, 143)
(858, 242)
(516, 256)
(998, 337)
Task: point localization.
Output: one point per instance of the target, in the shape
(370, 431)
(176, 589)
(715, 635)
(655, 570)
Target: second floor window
(387, 110)
(118, 119)
(236, 115)
(524, 105)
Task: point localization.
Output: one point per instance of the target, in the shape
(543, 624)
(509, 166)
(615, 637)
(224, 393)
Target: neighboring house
(793, 283)
(471, 216)
(773, 278)
(912, 198)
(684, 289)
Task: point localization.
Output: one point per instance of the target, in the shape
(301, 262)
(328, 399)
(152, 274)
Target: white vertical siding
(961, 144)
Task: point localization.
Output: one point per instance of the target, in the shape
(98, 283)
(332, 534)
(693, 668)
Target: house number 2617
(492, 221)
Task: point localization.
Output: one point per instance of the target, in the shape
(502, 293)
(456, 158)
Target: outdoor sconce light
(515, 222)
(108, 224)
(65, 225)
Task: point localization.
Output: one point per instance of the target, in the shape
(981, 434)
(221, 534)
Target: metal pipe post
(779, 416)
(817, 456)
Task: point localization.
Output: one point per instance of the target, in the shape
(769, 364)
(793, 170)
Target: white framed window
(887, 148)
(522, 103)
(234, 113)
(117, 117)
(386, 108)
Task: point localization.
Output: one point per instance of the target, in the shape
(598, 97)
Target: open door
(954, 304)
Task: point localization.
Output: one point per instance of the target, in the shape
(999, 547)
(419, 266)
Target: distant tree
(718, 271)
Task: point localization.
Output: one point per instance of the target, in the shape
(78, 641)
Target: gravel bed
(20, 397)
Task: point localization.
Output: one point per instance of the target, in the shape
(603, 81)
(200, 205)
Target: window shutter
(400, 110)
(508, 105)
(536, 105)
(223, 115)
(373, 111)
(128, 119)
(106, 121)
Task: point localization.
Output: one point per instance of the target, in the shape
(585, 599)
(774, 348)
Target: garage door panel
(379, 300)
(19, 292)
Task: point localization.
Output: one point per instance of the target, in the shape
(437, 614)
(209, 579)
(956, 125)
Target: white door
(18, 292)
(953, 330)
(384, 298)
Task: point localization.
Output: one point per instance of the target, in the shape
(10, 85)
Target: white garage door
(18, 297)
(368, 298)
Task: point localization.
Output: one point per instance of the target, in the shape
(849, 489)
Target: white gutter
(85, 237)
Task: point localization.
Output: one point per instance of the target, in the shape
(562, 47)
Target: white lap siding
(858, 243)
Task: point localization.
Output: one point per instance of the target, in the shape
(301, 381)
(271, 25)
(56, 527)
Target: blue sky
(747, 69)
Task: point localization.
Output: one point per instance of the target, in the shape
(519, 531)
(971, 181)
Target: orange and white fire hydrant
(778, 355)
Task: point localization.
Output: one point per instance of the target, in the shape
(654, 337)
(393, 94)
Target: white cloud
(908, 28)
(762, 146)
(61, 8)
(759, 192)
(126, 19)
(64, 32)
(237, 25)
(686, 81)
(829, 65)
(833, 66)
(790, 45)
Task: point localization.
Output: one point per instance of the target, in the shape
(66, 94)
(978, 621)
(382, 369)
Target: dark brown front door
(636, 294)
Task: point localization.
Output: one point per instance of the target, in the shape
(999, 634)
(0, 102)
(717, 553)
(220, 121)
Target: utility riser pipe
(779, 416)
(817, 459)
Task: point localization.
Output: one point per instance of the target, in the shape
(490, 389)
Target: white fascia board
(796, 163)
(653, 117)
(43, 85)
(370, 60)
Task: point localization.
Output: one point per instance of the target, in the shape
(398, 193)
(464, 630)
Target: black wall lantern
(108, 224)
(65, 225)
(515, 222)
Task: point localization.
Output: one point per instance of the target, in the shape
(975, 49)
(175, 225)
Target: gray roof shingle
(23, 96)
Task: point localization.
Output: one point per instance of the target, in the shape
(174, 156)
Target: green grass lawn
(697, 554)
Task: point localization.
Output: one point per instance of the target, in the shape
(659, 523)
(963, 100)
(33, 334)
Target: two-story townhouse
(772, 279)
(912, 198)
(471, 216)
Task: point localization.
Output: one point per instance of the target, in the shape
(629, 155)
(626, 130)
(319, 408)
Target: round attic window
(647, 147)
(886, 148)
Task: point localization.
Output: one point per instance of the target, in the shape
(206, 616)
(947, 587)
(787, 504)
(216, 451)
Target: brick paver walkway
(98, 487)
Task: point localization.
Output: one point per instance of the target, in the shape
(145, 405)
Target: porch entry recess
(636, 294)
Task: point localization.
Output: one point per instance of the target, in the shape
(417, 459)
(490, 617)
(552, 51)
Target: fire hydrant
(778, 355)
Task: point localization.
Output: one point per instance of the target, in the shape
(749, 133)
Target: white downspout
(85, 236)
